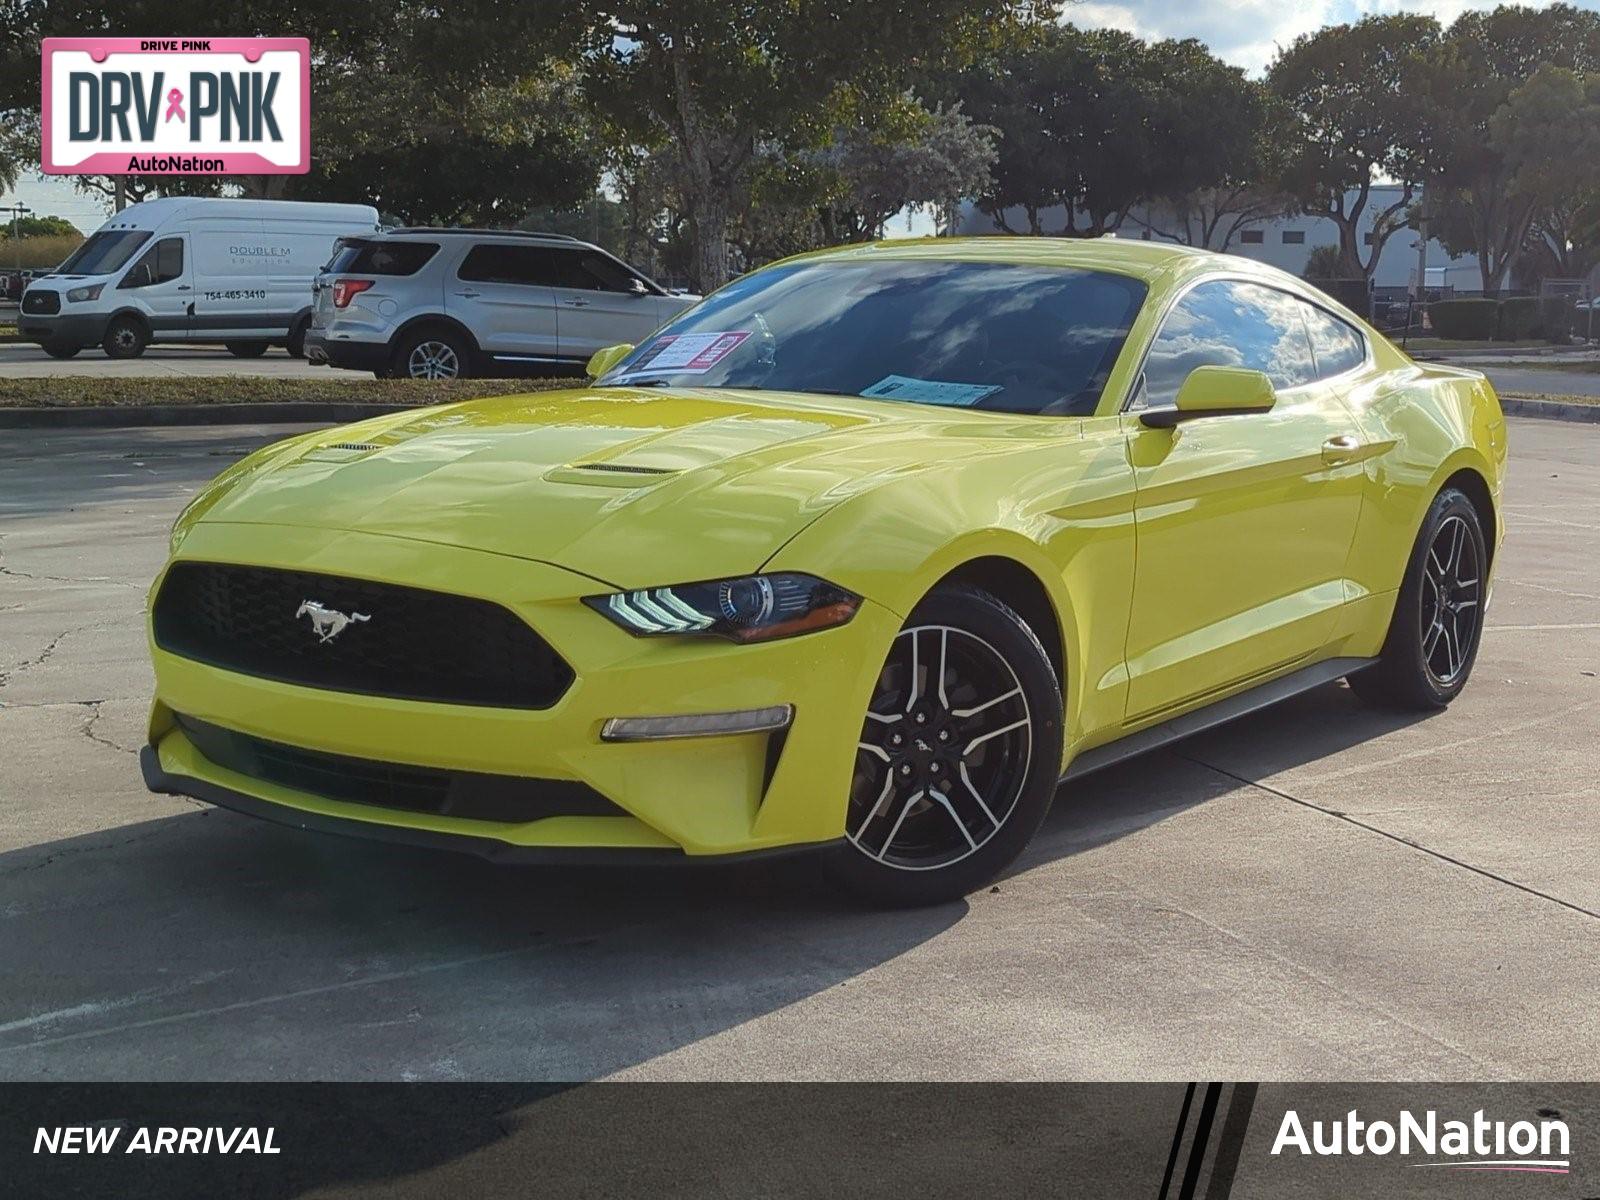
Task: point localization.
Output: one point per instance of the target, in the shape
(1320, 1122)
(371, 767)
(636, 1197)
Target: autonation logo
(1478, 1144)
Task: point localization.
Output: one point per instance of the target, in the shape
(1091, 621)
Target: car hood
(630, 486)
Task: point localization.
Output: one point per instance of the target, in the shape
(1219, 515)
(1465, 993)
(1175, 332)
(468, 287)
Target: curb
(264, 413)
(1550, 410)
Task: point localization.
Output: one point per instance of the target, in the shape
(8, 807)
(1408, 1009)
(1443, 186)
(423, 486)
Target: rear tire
(959, 757)
(1438, 616)
(246, 349)
(58, 350)
(126, 337)
(430, 354)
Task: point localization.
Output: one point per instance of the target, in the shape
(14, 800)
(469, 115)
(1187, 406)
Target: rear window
(382, 258)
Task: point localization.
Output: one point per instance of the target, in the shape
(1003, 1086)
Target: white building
(1287, 242)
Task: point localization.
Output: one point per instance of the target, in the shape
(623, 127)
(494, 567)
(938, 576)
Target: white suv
(449, 303)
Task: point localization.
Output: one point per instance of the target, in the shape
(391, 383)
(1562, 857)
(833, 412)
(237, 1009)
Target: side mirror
(1215, 392)
(606, 357)
(636, 287)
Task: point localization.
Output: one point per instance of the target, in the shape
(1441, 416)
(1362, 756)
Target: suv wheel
(246, 349)
(126, 337)
(430, 354)
(60, 349)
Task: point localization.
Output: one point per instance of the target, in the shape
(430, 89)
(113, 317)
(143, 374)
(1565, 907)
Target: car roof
(1123, 256)
(457, 231)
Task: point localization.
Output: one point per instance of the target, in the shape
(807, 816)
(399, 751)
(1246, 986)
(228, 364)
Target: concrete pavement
(24, 361)
(1319, 891)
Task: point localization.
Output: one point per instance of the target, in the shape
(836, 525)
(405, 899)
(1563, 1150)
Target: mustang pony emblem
(327, 623)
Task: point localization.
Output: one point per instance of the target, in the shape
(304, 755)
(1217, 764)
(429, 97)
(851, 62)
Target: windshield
(104, 252)
(990, 336)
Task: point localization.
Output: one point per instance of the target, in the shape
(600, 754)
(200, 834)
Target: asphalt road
(23, 361)
(1319, 891)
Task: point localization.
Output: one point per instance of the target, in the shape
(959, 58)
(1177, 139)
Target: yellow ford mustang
(864, 554)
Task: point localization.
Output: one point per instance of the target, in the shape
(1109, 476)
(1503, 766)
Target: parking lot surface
(23, 361)
(1317, 891)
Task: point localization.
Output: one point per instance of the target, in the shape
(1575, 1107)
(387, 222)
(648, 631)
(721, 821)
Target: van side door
(230, 281)
(159, 285)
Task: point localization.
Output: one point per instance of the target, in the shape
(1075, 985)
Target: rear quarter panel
(1434, 421)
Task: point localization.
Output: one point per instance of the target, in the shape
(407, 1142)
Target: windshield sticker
(687, 353)
(930, 391)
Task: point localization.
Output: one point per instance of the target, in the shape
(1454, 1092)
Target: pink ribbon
(175, 105)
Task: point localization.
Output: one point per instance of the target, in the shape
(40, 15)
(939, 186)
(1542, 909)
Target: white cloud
(1249, 33)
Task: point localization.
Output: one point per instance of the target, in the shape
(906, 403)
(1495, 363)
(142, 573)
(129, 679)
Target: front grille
(37, 303)
(413, 645)
(504, 798)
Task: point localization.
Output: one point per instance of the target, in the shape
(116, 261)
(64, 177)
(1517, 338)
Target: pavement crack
(87, 729)
(7, 675)
(1399, 839)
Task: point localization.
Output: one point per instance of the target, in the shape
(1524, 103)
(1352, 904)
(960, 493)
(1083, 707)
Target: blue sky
(1245, 32)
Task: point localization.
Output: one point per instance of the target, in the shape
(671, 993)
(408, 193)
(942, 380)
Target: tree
(1360, 110)
(1246, 165)
(27, 227)
(715, 80)
(907, 156)
(1513, 128)
(1097, 121)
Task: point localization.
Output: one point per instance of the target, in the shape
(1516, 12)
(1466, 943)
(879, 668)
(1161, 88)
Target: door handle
(1341, 448)
(470, 295)
(578, 303)
(183, 287)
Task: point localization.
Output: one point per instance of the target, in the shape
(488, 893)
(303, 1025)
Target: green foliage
(716, 81)
(1465, 320)
(34, 227)
(1325, 262)
(1097, 121)
(1361, 110)
(1520, 319)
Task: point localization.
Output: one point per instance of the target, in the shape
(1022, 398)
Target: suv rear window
(382, 258)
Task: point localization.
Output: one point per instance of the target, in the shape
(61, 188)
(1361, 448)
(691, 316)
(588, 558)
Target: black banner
(1201, 1141)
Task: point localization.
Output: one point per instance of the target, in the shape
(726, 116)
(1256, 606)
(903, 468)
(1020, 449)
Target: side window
(602, 274)
(1226, 323)
(1337, 345)
(530, 266)
(162, 263)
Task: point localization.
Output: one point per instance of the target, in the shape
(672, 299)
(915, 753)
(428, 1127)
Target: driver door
(1243, 522)
(159, 285)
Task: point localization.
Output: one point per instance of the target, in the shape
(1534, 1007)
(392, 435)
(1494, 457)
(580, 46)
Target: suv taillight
(346, 290)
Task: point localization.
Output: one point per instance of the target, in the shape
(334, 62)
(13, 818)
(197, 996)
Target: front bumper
(65, 329)
(703, 796)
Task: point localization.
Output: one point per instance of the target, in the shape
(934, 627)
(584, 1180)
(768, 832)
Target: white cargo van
(191, 270)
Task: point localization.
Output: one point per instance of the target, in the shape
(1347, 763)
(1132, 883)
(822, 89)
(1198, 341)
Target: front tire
(60, 349)
(246, 349)
(1438, 615)
(126, 337)
(959, 756)
(296, 345)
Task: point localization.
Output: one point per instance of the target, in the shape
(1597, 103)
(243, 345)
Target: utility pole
(17, 210)
(1421, 289)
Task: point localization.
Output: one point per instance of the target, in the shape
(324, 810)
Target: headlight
(92, 292)
(751, 608)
